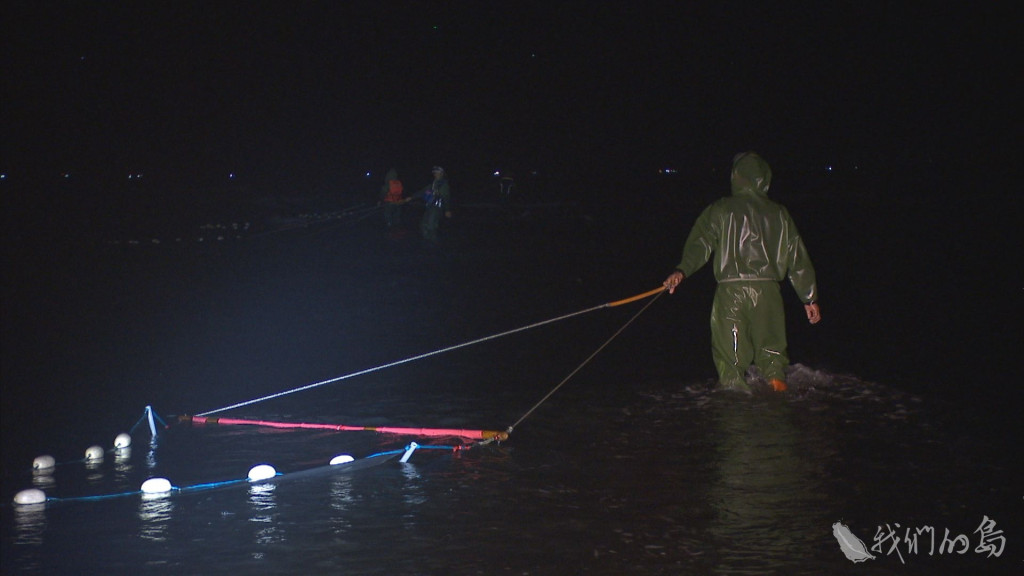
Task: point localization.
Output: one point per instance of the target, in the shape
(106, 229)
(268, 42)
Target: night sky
(306, 92)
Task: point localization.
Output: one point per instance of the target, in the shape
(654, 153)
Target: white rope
(584, 363)
(398, 362)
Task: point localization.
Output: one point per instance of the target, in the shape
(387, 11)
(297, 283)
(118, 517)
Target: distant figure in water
(756, 246)
(437, 197)
(392, 199)
(508, 186)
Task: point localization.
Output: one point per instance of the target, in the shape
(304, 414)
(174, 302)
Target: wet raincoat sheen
(755, 245)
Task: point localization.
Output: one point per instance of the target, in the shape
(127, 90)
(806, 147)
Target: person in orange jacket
(392, 198)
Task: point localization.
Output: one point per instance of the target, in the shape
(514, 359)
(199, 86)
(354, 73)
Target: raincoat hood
(750, 174)
(391, 175)
(751, 237)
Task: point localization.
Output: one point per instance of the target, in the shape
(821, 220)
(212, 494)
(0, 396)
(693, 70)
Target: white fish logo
(851, 546)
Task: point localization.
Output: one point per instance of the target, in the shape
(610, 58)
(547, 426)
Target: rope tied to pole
(658, 291)
(441, 351)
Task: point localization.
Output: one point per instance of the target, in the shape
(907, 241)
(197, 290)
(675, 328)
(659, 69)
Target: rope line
(433, 353)
(658, 291)
(225, 483)
(359, 211)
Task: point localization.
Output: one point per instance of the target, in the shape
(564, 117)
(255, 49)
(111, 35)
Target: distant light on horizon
(231, 176)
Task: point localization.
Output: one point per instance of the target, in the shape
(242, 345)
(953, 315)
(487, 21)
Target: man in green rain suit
(437, 197)
(755, 245)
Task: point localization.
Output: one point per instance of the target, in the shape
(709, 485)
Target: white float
(261, 472)
(341, 459)
(44, 462)
(30, 496)
(94, 453)
(122, 441)
(156, 486)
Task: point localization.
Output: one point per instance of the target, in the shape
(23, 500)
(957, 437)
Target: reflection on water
(29, 528)
(30, 524)
(768, 491)
(263, 508)
(155, 512)
(342, 500)
(43, 479)
(151, 454)
(412, 489)
(124, 470)
(412, 495)
(94, 473)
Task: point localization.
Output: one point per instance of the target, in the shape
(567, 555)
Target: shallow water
(646, 478)
(634, 466)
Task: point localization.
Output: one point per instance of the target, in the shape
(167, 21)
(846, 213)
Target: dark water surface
(902, 408)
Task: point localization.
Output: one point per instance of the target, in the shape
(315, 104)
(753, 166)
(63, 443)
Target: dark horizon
(312, 93)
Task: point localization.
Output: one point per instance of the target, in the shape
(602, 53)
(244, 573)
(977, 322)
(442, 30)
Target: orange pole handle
(637, 297)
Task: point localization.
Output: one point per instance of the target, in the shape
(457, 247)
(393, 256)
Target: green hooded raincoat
(755, 245)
